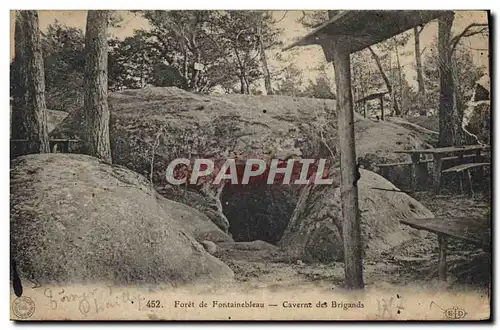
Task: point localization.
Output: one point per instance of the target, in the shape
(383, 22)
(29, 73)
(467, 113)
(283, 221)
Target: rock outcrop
(152, 126)
(477, 116)
(315, 229)
(75, 219)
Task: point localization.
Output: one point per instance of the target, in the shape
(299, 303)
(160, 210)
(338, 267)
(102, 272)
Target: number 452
(153, 304)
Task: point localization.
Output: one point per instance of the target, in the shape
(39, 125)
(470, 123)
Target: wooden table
(476, 231)
(438, 154)
(19, 146)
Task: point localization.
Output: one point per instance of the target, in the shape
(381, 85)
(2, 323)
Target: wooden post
(381, 107)
(438, 165)
(442, 257)
(364, 108)
(415, 158)
(461, 179)
(470, 192)
(479, 159)
(336, 50)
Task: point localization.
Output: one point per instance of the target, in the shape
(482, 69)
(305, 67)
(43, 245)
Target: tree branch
(286, 12)
(465, 33)
(303, 16)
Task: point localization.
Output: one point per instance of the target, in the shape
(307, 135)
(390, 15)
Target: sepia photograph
(250, 165)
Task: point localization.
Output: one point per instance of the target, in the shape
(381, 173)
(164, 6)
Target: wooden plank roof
(372, 96)
(367, 27)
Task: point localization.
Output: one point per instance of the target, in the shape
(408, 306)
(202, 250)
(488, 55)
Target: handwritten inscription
(387, 306)
(96, 301)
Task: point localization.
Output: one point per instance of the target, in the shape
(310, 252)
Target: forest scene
(101, 103)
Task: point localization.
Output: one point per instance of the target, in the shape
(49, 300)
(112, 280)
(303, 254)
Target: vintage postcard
(250, 165)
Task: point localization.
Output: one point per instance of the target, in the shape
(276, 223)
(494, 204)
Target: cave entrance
(259, 211)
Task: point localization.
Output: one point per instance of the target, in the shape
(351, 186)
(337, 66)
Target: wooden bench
(388, 165)
(19, 146)
(384, 168)
(464, 169)
(475, 231)
(426, 161)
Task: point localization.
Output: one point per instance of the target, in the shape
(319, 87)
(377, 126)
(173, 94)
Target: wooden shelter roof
(367, 27)
(372, 96)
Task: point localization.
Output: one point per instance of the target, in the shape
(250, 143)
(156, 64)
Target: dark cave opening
(259, 211)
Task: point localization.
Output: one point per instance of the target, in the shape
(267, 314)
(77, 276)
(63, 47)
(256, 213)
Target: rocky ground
(414, 262)
(152, 126)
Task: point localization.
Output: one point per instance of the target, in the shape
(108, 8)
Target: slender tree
(18, 83)
(420, 74)
(388, 84)
(265, 16)
(400, 82)
(29, 101)
(263, 58)
(96, 112)
(447, 111)
(450, 132)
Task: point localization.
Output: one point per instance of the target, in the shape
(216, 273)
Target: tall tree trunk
(242, 84)
(32, 75)
(447, 112)
(96, 112)
(386, 80)
(400, 73)
(143, 69)
(458, 103)
(393, 91)
(363, 94)
(185, 69)
(247, 84)
(420, 74)
(18, 128)
(244, 88)
(263, 59)
(196, 73)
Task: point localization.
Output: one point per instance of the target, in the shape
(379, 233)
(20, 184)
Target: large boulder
(172, 123)
(477, 116)
(75, 219)
(54, 117)
(315, 230)
(376, 143)
(150, 127)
